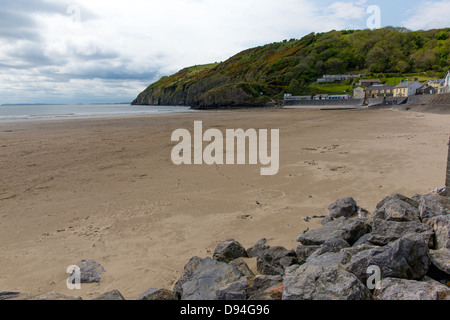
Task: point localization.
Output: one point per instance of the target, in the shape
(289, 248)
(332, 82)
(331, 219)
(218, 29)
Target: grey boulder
(207, 278)
(189, 269)
(406, 258)
(403, 289)
(157, 295)
(384, 231)
(90, 271)
(441, 227)
(111, 295)
(312, 282)
(397, 207)
(229, 250)
(345, 207)
(272, 260)
(341, 228)
(261, 287)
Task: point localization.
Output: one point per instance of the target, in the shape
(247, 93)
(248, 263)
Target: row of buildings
(373, 88)
(290, 97)
(404, 89)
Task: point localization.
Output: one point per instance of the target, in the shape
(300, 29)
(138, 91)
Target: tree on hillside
(377, 60)
(334, 66)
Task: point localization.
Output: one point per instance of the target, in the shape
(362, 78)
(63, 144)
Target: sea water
(9, 113)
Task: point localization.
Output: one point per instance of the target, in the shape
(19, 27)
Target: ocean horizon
(32, 112)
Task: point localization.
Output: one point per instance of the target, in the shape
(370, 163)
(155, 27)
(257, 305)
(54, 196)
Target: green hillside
(263, 74)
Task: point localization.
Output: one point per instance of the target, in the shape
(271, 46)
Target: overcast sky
(81, 51)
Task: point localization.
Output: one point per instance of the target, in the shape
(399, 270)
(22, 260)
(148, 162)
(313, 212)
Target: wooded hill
(263, 74)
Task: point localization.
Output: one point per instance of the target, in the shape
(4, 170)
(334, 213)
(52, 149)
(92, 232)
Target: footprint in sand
(271, 194)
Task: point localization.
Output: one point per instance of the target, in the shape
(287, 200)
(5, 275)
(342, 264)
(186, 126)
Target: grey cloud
(17, 26)
(17, 21)
(107, 71)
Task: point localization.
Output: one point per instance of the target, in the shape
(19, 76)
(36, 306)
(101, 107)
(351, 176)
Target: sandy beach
(107, 190)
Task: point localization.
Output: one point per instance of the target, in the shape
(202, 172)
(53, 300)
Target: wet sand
(107, 190)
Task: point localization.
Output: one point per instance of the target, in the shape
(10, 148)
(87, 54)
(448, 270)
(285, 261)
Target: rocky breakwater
(406, 240)
(401, 251)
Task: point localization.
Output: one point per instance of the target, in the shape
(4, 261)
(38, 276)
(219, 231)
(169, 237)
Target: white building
(446, 86)
(407, 89)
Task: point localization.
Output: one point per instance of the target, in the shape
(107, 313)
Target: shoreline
(404, 108)
(105, 189)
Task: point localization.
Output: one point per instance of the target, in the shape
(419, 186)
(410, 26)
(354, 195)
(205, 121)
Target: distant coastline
(33, 112)
(61, 104)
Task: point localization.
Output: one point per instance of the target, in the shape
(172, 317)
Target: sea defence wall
(440, 100)
(420, 99)
(344, 103)
(375, 102)
(430, 100)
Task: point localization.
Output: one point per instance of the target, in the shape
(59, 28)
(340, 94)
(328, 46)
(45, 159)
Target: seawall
(332, 103)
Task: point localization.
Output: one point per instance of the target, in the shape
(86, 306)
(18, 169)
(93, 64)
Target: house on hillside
(338, 77)
(435, 83)
(406, 89)
(446, 85)
(427, 89)
(368, 82)
(359, 93)
(374, 92)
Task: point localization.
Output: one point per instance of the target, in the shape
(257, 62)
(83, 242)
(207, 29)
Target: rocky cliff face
(204, 91)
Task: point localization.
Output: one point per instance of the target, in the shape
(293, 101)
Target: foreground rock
(397, 207)
(440, 265)
(157, 295)
(229, 250)
(272, 260)
(7, 295)
(90, 271)
(405, 258)
(207, 278)
(111, 295)
(189, 269)
(261, 287)
(402, 289)
(312, 282)
(240, 264)
(441, 226)
(384, 231)
(345, 207)
(341, 228)
(304, 252)
(431, 205)
(54, 296)
(441, 259)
